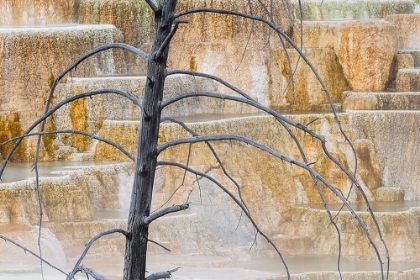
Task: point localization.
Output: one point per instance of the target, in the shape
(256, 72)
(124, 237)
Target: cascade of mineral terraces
(368, 56)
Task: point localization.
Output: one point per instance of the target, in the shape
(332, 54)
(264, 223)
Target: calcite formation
(408, 30)
(230, 47)
(27, 236)
(380, 101)
(33, 56)
(133, 18)
(359, 9)
(306, 92)
(365, 49)
(261, 176)
(408, 80)
(38, 12)
(399, 230)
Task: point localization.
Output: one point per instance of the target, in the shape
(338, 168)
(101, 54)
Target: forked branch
(90, 272)
(87, 247)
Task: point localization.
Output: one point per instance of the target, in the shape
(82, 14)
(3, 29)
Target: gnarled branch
(161, 275)
(89, 272)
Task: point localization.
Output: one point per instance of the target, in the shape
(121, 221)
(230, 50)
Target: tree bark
(136, 244)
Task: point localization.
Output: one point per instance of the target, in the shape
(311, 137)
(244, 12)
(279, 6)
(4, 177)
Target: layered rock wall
(38, 12)
(72, 196)
(31, 58)
(262, 177)
(359, 9)
(365, 49)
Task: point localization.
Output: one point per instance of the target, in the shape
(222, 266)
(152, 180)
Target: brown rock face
(218, 44)
(31, 58)
(133, 18)
(38, 12)
(365, 49)
(10, 126)
(408, 26)
(358, 9)
(308, 92)
(408, 80)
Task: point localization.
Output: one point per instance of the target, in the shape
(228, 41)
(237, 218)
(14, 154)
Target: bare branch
(89, 244)
(241, 100)
(238, 202)
(161, 275)
(160, 245)
(289, 64)
(212, 77)
(282, 121)
(92, 136)
(90, 272)
(6, 239)
(311, 171)
(153, 5)
(219, 161)
(168, 39)
(160, 213)
(332, 222)
(274, 27)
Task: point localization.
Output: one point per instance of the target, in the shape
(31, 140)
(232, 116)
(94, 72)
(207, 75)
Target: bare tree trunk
(136, 245)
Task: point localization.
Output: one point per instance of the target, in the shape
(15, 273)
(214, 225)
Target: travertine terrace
(368, 54)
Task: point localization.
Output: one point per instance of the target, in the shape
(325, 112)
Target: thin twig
(238, 202)
(6, 239)
(157, 243)
(71, 131)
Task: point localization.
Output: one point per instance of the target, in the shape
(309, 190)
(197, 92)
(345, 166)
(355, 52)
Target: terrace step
(408, 29)
(82, 156)
(415, 54)
(408, 80)
(294, 245)
(326, 107)
(399, 221)
(380, 101)
(358, 9)
(387, 194)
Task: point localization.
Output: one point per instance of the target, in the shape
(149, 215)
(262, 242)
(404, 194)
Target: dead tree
(166, 22)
